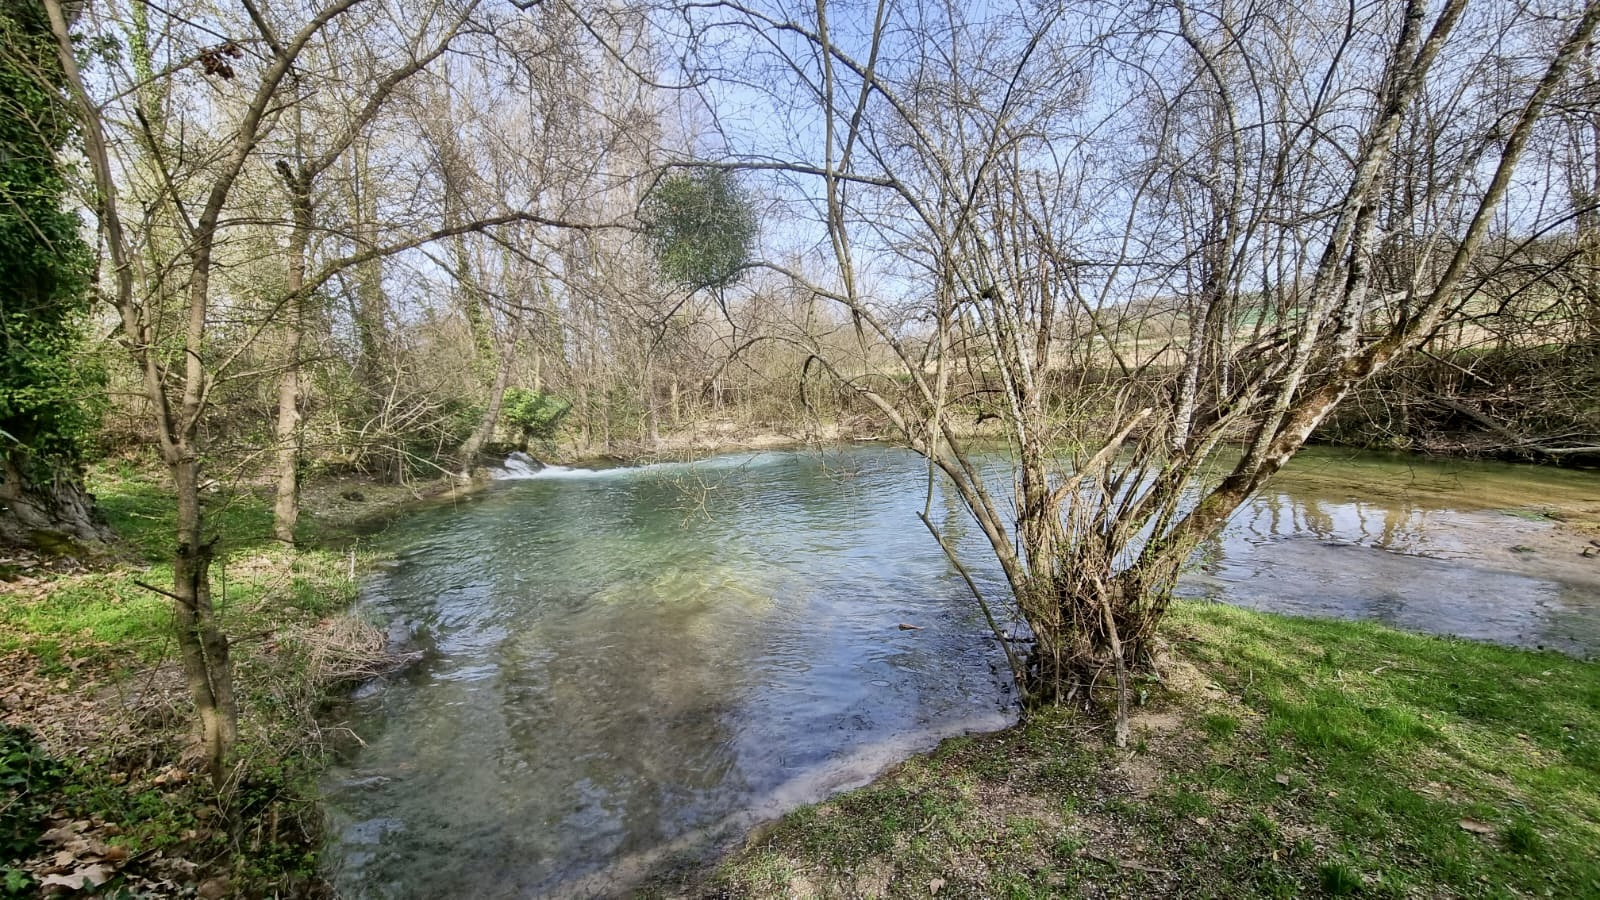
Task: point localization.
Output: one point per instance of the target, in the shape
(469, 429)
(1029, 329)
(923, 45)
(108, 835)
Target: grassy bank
(95, 783)
(1278, 757)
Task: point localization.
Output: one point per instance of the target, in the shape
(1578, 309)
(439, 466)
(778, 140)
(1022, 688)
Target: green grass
(255, 581)
(100, 634)
(140, 509)
(1292, 757)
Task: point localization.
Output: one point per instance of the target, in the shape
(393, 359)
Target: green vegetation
(88, 660)
(45, 380)
(1282, 757)
(533, 415)
(702, 228)
(107, 613)
(51, 389)
(952, 292)
(26, 774)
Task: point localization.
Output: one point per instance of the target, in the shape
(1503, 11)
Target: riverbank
(98, 787)
(1278, 757)
(89, 668)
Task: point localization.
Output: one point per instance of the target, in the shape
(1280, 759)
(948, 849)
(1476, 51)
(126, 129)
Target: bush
(533, 415)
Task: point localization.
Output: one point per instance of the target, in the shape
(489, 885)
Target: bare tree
(177, 390)
(1147, 242)
(170, 275)
(318, 141)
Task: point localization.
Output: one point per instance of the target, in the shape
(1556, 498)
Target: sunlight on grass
(254, 579)
(1341, 759)
(1415, 733)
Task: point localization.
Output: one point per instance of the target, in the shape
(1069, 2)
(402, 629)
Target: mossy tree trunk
(55, 515)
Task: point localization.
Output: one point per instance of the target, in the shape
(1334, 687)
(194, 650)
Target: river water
(626, 667)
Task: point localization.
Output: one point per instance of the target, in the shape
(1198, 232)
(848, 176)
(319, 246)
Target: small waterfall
(520, 466)
(517, 465)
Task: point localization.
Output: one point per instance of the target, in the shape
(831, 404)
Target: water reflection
(627, 665)
(630, 662)
(1446, 547)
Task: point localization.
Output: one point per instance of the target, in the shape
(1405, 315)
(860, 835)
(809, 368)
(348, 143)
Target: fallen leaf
(1476, 827)
(935, 885)
(94, 876)
(73, 882)
(176, 867)
(1282, 778)
(61, 835)
(212, 889)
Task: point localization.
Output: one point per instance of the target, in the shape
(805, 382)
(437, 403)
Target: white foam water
(522, 467)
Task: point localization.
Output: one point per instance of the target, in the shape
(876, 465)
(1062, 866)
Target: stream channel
(623, 668)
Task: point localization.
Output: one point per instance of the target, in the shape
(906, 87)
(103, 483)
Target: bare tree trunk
(201, 642)
(651, 407)
(371, 304)
(473, 445)
(286, 502)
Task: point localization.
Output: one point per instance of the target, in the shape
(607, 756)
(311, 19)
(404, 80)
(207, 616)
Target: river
(627, 667)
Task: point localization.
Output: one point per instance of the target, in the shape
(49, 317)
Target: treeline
(330, 235)
(1516, 376)
(261, 243)
(339, 239)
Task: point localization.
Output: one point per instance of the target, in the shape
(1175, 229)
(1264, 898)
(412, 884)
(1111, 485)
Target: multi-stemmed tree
(1157, 244)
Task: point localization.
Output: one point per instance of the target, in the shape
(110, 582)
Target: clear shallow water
(634, 663)
(1448, 547)
(627, 665)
